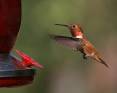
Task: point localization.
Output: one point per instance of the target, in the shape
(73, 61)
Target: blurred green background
(65, 71)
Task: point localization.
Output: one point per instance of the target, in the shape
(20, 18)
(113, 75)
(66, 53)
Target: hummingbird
(27, 61)
(79, 42)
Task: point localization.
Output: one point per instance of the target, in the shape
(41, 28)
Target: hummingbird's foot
(75, 49)
(84, 56)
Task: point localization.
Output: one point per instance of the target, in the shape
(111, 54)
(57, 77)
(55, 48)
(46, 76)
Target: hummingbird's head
(75, 30)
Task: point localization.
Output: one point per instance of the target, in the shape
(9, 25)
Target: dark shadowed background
(65, 71)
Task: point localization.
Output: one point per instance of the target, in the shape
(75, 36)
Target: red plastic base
(15, 81)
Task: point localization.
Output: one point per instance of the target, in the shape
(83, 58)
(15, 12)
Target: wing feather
(67, 41)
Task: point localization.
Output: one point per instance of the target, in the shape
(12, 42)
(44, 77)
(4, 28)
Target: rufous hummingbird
(79, 42)
(28, 61)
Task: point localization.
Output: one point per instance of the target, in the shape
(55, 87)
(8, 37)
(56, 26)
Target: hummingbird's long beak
(62, 25)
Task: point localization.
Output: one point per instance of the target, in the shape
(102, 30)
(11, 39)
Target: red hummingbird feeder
(12, 72)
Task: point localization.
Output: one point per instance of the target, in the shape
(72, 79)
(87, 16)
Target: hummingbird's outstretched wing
(70, 42)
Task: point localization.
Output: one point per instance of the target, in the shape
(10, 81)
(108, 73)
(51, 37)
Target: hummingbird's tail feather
(103, 62)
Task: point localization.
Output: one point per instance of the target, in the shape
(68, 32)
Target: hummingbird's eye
(74, 26)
